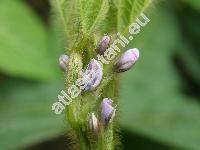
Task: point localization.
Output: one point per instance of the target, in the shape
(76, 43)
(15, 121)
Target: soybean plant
(93, 64)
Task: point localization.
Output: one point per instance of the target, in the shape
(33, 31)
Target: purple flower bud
(107, 110)
(93, 75)
(93, 123)
(63, 61)
(104, 44)
(127, 60)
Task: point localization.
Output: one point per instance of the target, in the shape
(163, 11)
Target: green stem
(106, 139)
(84, 145)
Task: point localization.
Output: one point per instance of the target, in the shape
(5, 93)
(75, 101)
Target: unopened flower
(93, 75)
(93, 123)
(63, 61)
(127, 60)
(107, 110)
(104, 44)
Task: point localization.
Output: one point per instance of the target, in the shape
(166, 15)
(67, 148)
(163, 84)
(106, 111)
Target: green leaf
(129, 10)
(92, 14)
(23, 49)
(110, 24)
(194, 3)
(68, 15)
(26, 117)
(152, 102)
(62, 17)
(190, 60)
(80, 17)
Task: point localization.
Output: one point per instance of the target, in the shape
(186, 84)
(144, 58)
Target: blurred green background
(160, 97)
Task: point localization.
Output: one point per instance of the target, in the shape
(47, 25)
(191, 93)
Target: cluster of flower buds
(127, 60)
(104, 44)
(94, 72)
(63, 62)
(92, 75)
(91, 79)
(107, 115)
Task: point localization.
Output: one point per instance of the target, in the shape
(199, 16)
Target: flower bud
(63, 61)
(104, 44)
(93, 123)
(93, 75)
(127, 60)
(107, 110)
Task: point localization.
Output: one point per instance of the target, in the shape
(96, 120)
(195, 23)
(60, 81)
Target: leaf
(152, 104)
(190, 60)
(92, 14)
(194, 3)
(23, 49)
(129, 10)
(68, 15)
(62, 17)
(80, 17)
(26, 117)
(110, 24)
